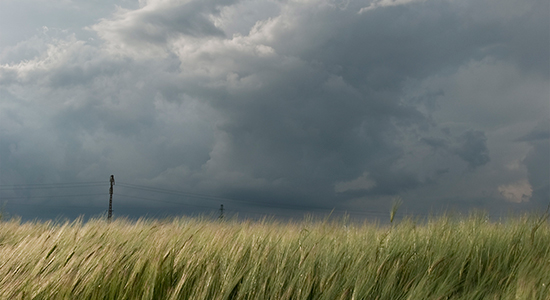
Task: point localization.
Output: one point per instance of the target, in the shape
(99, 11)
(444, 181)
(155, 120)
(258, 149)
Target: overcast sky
(274, 107)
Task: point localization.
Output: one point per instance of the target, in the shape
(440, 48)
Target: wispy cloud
(385, 3)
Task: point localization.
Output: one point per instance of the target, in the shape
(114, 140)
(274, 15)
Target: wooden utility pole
(110, 214)
(221, 212)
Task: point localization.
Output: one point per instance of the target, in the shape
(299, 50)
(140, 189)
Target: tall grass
(443, 258)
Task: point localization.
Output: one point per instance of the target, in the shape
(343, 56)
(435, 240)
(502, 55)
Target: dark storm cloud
(538, 134)
(537, 162)
(435, 143)
(314, 105)
(306, 129)
(472, 148)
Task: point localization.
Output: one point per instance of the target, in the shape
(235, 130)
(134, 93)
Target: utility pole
(110, 214)
(221, 212)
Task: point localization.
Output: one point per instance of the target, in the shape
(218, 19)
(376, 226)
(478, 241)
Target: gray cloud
(537, 162)
(472, 148)
(538, 134)
(158, 22)
(311, 104)
(435, 142)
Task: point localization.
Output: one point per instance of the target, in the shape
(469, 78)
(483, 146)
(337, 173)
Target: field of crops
(193, 258)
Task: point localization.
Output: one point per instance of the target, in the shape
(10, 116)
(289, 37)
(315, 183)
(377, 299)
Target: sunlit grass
(443, 258)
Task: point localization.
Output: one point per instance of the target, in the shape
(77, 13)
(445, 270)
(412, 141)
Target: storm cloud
(293, 105)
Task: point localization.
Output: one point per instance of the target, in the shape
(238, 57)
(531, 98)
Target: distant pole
(221, 212)
(110, 214)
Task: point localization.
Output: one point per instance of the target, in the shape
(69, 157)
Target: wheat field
(197, 258)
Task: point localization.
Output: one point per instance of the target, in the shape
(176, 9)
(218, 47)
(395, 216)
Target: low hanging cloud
(517, 192)
(364, 182)
(308, 102)
(537, 160)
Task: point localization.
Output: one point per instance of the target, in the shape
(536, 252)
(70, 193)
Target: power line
(163, 191)
(54, 184)
(207, 207)
(51, 196)
(164, 201)
(257, 204)
(211, 197)
(246, 208)
(50, 186)
(172, 192)
(50, 205)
